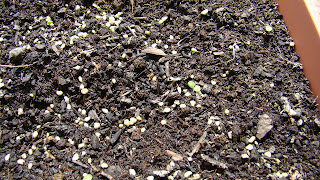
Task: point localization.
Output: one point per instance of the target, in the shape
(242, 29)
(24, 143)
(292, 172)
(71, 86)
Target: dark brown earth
(255, 117)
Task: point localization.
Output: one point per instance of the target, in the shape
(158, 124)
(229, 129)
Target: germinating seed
(84, 91)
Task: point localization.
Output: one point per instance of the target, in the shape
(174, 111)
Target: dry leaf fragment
(264, 126)
(155, 51)
(174, 156)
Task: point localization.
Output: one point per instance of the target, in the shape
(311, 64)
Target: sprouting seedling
(162, 20)
(268, 28)
(194, 87)
(49, 21)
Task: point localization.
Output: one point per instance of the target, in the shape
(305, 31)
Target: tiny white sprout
(20, 111)
(193, 103)
(96, 125)
(30, 165)
(244, 156)
(20, 161)
(164, 122)
(142, 130)
(126, 122)
(7, 157)
(249, 147)
(268, 154)
(268, 28)
(120, 126)
(166, 110)
(226, 111)
(35, 134)
(187, 174)
(132, 173)
(75, 157)
(251, 139)
(24, 155)
(59, 93)
(204, 12)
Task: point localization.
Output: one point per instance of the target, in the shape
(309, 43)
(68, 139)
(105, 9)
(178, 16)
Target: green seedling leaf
(191, 84)
(87, 177)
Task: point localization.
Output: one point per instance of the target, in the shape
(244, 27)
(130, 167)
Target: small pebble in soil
(20, 111)
(226, 111)
(166, 110)
(150, 178)
(251, 139)
(75, 157)
(30, 165)
(103, 164)
(126, 122)
(192, 103)
(35, 134)
(132, 173)
(96, 125)
(268, 154)
(7, 157)
(244, 156)
(164, 122)
(187, 174)
(59, 93)
(250, 147)
(20, 161)
(142, 130)
(183, 106)
(204, 12)
(84, 91)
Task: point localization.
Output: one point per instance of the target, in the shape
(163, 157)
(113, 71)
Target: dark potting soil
(153, 90)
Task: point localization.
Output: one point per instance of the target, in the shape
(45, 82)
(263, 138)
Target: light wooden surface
(314, 9)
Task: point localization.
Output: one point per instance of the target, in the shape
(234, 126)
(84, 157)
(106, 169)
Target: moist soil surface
(153, 90)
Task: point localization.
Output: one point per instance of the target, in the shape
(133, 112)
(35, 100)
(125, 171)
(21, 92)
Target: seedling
(194, 87)
(162, 20)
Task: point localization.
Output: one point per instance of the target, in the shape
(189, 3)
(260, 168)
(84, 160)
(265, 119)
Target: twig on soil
(214, 162)
(198, 145)
(106, 175)
(18, 66)
(80, 164)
